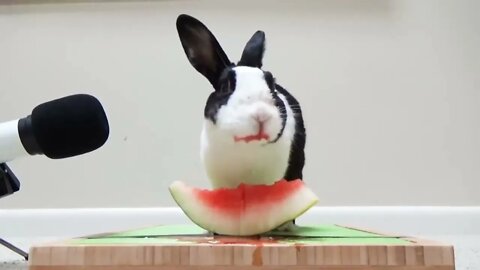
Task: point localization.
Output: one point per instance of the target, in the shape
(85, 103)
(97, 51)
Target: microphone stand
(9, 184)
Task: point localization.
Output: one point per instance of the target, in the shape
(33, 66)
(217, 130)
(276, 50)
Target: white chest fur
(229, 163)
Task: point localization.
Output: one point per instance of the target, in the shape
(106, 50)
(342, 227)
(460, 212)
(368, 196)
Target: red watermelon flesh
(245, 210)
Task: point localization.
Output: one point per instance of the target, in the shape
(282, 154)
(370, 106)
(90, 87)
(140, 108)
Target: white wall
(390, 92)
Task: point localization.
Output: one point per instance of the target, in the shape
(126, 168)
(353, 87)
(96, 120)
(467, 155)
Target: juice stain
(257, 259)
(228, 240)
(258, 242)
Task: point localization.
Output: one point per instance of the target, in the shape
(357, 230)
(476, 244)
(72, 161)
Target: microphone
(61, 128)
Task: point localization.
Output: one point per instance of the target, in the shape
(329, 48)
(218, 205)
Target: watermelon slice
(245, 210)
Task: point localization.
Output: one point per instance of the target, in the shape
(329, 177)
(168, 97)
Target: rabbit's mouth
(249, 138)
(261, 135)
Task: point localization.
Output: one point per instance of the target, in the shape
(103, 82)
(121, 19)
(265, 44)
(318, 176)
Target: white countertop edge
(406, 220)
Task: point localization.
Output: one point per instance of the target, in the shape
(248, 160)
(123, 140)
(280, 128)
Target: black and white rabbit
(253, 130)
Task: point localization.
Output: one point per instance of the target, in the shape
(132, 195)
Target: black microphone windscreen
(70, 126)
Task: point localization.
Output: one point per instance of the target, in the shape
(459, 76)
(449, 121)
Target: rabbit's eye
(225, 88)
(270, 80)
(227, 83)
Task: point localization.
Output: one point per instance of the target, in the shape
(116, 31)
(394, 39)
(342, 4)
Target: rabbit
(253, 130)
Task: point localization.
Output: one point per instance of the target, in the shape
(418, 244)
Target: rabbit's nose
(262, 115)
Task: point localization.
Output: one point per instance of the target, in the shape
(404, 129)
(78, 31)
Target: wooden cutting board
(182, 247)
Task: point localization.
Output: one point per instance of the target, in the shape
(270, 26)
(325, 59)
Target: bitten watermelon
(245, 210)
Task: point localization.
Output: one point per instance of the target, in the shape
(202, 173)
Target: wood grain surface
(210, 252)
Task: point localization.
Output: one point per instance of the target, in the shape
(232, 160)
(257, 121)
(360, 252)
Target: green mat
(188, 234)
(301, 231)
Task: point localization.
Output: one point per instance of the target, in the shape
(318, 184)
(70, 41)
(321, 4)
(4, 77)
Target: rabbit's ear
(202, 48)
(252, 55)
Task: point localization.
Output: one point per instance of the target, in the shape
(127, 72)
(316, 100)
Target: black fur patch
(278, 103)
(297, 153)
(223, 90)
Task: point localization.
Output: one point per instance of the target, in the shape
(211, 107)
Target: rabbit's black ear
(202, 48)
(252, 55)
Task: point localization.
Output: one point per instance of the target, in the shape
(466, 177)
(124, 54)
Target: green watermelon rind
(181, 199)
